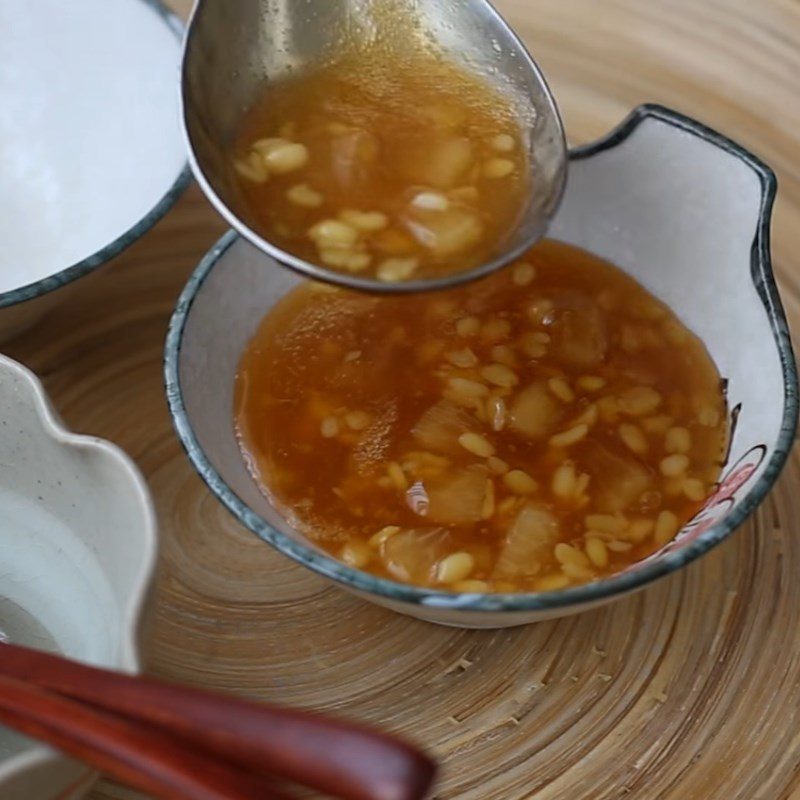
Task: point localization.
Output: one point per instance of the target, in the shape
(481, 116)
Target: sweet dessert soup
(547, 426)
(394, 164)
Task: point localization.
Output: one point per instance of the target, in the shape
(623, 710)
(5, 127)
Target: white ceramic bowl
(78, 551)
(91, 151)
(679, 207)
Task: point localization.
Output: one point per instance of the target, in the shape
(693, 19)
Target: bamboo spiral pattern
(688, 690)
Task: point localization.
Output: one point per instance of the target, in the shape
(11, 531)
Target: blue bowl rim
(763, 279)
(86, 265)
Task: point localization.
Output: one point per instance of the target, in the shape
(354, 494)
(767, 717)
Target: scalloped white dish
(91, 152)
(680, 208)
(78, 547)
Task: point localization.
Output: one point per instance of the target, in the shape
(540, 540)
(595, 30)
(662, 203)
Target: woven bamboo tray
(688, 690)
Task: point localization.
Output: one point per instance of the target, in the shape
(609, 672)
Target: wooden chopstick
(138, 755)
(339, 758)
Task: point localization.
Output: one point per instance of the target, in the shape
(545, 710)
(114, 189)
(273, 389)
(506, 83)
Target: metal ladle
(233, 47)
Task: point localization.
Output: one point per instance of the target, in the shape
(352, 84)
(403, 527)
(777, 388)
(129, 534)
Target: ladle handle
(135, 754)
(339, 758)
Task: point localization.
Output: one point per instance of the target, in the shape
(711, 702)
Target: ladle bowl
(236, 47)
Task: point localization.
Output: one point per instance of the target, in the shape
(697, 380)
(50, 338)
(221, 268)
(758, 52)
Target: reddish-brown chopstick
(339, 758)
(140, 756)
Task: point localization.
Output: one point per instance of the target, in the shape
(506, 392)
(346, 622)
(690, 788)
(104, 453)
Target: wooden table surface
(688, 690)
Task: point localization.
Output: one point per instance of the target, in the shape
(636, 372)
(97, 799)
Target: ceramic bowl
(78, 551)
(679, 207)
(91, 150)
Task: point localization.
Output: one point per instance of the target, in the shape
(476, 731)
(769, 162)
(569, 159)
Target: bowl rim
(132, 611)
(56, 280)
(763, 278)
